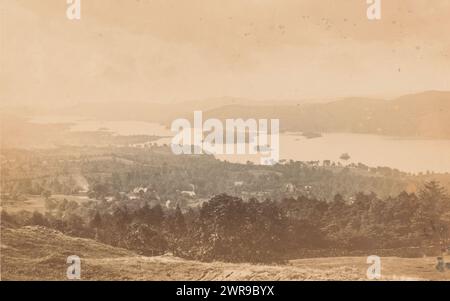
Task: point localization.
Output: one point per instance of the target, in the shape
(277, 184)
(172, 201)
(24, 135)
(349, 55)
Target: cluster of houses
(191, 198)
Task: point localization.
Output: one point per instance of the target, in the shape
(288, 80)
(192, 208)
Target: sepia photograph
(224, 141)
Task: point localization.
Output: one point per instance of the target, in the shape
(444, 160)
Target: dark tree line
(227, 228)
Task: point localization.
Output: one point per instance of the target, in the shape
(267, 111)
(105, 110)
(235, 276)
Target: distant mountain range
(425, 114)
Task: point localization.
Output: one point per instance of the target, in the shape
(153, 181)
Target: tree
(143, 215)
(230, 229)
(75, 225)
(179, 222)
(156, 216)
(121, 218)
(50, 204)
(433, 202)
(143, 239)
(38, 219)
(5, 218)
(95, 224)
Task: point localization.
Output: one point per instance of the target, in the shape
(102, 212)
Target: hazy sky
(165, 50)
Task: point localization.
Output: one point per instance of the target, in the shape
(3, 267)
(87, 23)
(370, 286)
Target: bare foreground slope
(37, 253)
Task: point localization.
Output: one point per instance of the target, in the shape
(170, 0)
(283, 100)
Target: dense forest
(227, 228)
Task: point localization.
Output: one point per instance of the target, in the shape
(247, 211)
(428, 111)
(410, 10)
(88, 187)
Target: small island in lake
(345, 157)
(311, 135)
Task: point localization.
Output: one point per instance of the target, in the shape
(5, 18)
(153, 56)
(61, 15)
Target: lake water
(411, 155)
(79, 124)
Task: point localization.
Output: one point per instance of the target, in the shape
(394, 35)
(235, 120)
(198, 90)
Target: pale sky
(166, 50)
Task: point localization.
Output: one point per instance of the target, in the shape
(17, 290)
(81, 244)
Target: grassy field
(37, 202)
(32, 253)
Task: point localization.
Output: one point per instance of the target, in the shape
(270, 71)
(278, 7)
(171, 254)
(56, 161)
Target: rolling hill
(38, 253)
(425, 115)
